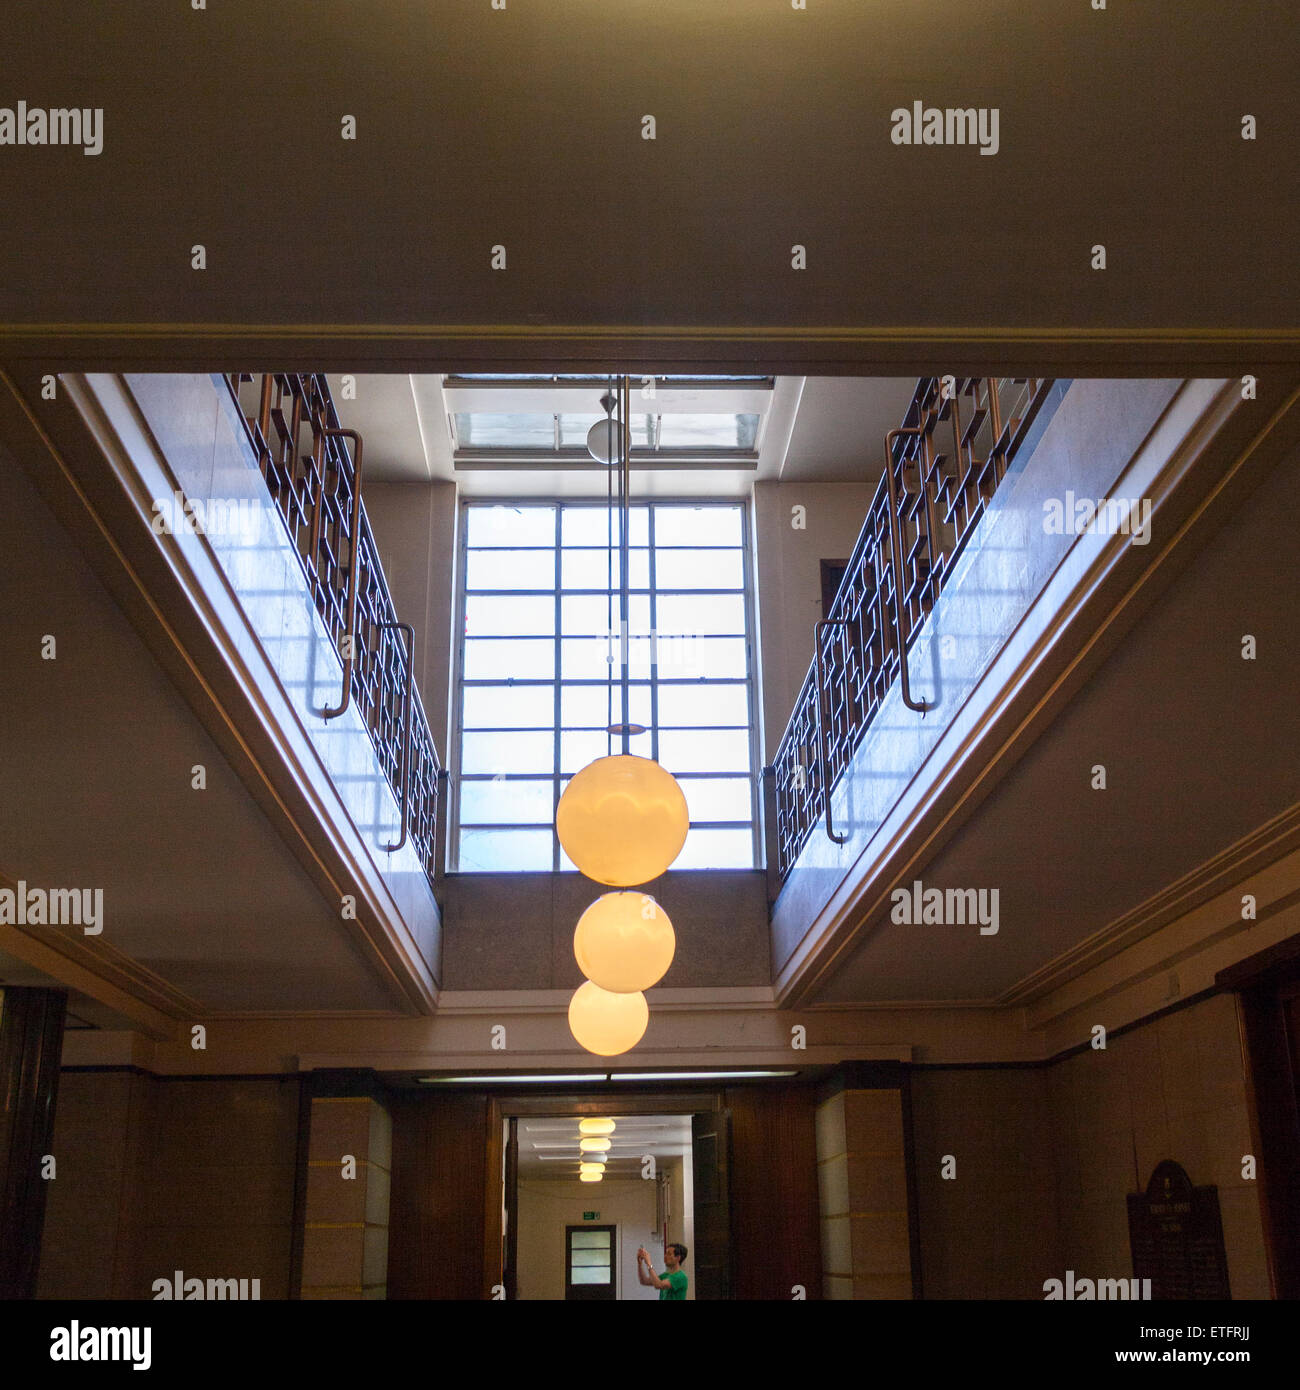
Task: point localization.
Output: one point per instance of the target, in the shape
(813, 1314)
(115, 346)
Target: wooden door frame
(509, 1130)
(1264, 985)
(580, 1104)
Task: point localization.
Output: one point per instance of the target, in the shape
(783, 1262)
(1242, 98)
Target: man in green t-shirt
(672, 1282)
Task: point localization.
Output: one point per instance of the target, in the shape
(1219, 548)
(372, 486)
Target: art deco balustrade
(303, 454)
(954, 447)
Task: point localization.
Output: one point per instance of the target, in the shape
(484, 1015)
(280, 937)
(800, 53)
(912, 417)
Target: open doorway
(644, 1197)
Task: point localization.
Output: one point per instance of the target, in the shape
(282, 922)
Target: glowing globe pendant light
(622, 820)
(624, 942)
(596, 1126)
(606, 1023)
(594, 1146)
(591, 1167)
(590, 1177)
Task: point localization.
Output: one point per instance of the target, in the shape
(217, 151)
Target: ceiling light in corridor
(596, 1126)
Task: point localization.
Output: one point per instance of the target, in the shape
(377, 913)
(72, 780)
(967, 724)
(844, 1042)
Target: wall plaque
(1176, 1237)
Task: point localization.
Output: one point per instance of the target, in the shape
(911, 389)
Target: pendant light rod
(609, 401)
(625, 411)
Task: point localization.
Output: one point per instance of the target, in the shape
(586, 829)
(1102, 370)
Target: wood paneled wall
(437, 1212)
(775, 1236)
(1270, 1017)
(156, 1175)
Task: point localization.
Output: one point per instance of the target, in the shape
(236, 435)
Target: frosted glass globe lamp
(622, 820)
(624, 942)
(606, 1024)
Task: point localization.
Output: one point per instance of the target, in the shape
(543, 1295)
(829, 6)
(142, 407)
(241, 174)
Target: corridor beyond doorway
(645, 1195)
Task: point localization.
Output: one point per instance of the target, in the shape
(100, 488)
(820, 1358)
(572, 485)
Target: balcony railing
(943, 467)
(312, 477)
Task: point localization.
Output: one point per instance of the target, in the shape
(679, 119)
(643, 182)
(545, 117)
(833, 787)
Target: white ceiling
(1202, 749)
(816, 429)
(840, 427)
(95, 792)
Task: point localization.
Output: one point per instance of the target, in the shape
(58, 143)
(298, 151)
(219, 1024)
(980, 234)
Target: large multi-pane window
(540, 667)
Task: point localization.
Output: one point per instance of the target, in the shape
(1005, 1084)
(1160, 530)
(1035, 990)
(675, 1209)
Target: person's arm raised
(646, 1272)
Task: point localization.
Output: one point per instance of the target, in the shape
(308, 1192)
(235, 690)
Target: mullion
(559, 684)
(749, 578)
(462, 601)
(653, 577)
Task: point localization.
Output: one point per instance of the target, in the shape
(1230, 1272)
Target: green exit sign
(591, 1216)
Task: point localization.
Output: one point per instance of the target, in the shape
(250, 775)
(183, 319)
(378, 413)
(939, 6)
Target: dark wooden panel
(775, 1227)
(1268, 997)
(436, 1229)
(510, 1256)
(167, 1173)
(1270, 1020)
(31, 1041)
(711, 1188)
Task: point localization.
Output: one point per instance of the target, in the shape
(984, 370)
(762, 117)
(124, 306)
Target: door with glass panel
(589, 1262)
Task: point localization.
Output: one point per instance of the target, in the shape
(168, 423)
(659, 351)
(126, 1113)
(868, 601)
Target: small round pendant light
(596, 1126)
(604, 440)
(606, 1023)
(624, 942)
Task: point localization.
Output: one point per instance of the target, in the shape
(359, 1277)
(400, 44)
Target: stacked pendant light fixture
(622, 821)
(592, 1166)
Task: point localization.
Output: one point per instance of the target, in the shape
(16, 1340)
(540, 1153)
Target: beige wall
(345, 1237)
(156, 1176)
(1046, 1155)
(1174, 1088)
(862, 1195)
(789, 581)
(548, 1205)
